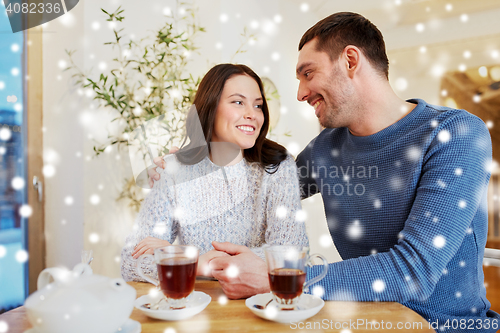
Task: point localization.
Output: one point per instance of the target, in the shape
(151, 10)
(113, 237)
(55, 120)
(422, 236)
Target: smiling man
(404, 185)
(408, 210)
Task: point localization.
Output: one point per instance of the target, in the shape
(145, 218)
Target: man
(403, 184)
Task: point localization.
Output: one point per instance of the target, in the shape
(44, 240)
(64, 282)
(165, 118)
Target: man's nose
(303, 92)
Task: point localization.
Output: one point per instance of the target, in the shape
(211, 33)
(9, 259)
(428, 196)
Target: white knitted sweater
(197, 204)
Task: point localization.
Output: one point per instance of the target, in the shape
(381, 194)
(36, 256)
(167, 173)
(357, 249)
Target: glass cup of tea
(287, 275)
(176, 265)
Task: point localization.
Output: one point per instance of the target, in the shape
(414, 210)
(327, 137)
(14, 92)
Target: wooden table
(234, 316)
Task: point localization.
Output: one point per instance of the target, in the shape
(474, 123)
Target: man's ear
(352, 57)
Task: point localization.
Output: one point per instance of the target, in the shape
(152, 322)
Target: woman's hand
(148, 246)
(204, 262)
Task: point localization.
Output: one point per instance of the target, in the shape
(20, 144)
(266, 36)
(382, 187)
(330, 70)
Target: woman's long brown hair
(266, 152)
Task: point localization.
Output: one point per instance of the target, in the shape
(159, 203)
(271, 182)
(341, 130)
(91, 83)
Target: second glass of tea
(176, 266)
(287, 275)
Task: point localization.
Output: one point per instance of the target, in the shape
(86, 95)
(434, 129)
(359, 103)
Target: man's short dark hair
(337, 31)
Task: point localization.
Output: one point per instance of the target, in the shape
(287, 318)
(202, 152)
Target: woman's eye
(238, 102)
(259, 106)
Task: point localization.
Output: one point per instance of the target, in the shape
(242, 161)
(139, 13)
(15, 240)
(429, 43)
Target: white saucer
(130, 326)
(308, 306)
(198, 302)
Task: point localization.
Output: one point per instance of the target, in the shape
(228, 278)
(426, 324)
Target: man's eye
(306, 74)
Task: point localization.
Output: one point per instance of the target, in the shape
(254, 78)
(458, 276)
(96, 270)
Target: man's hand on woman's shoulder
(159, 161)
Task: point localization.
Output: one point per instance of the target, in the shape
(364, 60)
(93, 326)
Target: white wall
(72, 125)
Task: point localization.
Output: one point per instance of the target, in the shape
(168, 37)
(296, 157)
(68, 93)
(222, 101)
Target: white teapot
(79, 302)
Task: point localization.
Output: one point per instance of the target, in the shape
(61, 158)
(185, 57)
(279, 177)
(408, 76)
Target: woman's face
(239, 116)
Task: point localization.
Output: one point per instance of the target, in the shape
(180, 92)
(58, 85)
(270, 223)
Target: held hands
(204, 268)
(148, 246)
(242, 274)
(159, 161)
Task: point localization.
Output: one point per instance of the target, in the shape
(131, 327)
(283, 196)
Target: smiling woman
(251, 198)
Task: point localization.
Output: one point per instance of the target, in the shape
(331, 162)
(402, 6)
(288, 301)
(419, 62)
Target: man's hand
(241, 275)
(159, 161)
(204, 262)
(148, 246)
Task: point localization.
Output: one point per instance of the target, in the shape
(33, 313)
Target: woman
(251, 199)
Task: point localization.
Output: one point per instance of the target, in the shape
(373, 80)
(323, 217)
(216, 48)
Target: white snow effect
(325, 240)
(68, 200)
(271, 312)
(25, 211)
(95, 199)
(179, 213)
(413, 153)
(378, 286)
(439, 241)
(281, 212)
(401, 84)
(396, 183)
(49, 170)
(18, 183)
(377, 203)
(458, 294)
(444, 136)
(318, 291)
(232, 271)
(5, 134)
(21, 256)
(441, 183)
(222, 300)
(94, 238)
(355, 231)
(191, 252)
(458, 171)
(462, 263)
(3, 251)
(4, 327)
(223, 17)
(160, 228)
(301, 216)
(462, 204)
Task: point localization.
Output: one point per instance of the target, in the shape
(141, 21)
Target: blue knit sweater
(406, 208)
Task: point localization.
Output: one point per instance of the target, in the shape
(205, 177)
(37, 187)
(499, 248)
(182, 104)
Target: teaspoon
(260, 307)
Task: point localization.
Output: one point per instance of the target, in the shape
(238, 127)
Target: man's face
(325, 86)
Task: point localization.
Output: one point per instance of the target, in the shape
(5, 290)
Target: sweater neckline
(231, 171)
(387, 133)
